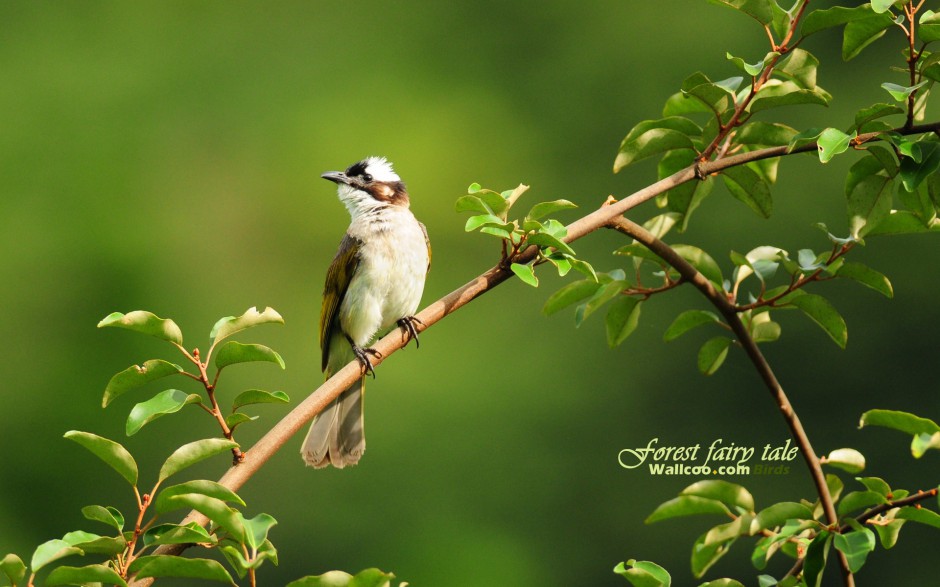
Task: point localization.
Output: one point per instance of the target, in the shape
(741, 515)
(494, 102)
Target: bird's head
(368, 186)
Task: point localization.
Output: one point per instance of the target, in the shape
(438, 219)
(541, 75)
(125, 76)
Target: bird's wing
(338, 277)
(427, 241)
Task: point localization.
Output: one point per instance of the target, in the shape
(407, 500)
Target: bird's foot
(408, 323)
(362, 355)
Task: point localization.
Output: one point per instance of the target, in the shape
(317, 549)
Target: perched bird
(375, 280)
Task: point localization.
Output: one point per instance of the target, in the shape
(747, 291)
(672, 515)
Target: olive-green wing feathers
(427, 241)
(338, 277)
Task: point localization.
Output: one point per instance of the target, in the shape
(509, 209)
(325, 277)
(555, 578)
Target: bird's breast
(389, 281)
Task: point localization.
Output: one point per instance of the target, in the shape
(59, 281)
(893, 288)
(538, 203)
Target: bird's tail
(336, 436)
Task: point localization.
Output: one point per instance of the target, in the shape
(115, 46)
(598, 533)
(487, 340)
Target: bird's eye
(366, 177)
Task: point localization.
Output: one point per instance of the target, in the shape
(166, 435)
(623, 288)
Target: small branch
(724, 306)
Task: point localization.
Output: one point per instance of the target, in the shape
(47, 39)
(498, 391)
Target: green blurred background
(166, 156)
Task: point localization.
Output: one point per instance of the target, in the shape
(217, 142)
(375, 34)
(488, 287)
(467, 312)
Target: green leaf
(163, 502)
(901, 421)
(755, 69)
(902, 222)
(83, 576)
(722, 583)
(913, 172)
(177, 566)
(824, 314)
(191, 533)
(712, 354)
(859, 33)
(687, 321)
(569, 294)
(815, 561)
(471, 204)
(496, 203)
(778, 514)
(235, 352)
(106, 515)
(231, 324)
(831, 142)
(622, 318)
(257, 528)
(366, 578)
(136, 376)
(717, 96)
(868, 196)
(901, 93)
(919, 515)
(681, 103)
(543, 209)
(193, 452)
(687, 505)
(259, 396)
(475, 222)
(867, 277)
(603, 295)
(51, 551)
(166, 402)
(94, 544)
(526, 273)
(112, 453)
(858, 500)
(216, 510)
(583, 267)
(764, 134)
(819, 20)
(13, 568)
(924, 442)
(146, 323)
(238, 418)
(847, 459)
(880, 6)
(874, 112)
(705, 555)
(730, 494)
(544, 240)
(474, 188)
(800, 67)
(875, 484)
(776, 93)
(643, 574)
(749, 187)
(855, 545)
(702, 261)
(929, 26)
(760, 10)
(652, 137)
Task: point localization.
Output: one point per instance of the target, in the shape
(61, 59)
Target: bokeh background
(166, 156)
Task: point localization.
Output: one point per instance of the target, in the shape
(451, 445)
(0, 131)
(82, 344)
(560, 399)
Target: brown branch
(275, 438)
(727, 309)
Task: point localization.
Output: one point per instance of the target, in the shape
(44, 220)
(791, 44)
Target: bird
(375, 281)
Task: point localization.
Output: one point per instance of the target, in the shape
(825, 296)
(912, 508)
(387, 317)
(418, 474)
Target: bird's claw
(362, 355)
(408, 323)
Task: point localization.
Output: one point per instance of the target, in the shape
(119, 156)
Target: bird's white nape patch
(381, 169)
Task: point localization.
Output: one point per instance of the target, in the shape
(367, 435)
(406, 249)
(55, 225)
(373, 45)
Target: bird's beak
(336, 177)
